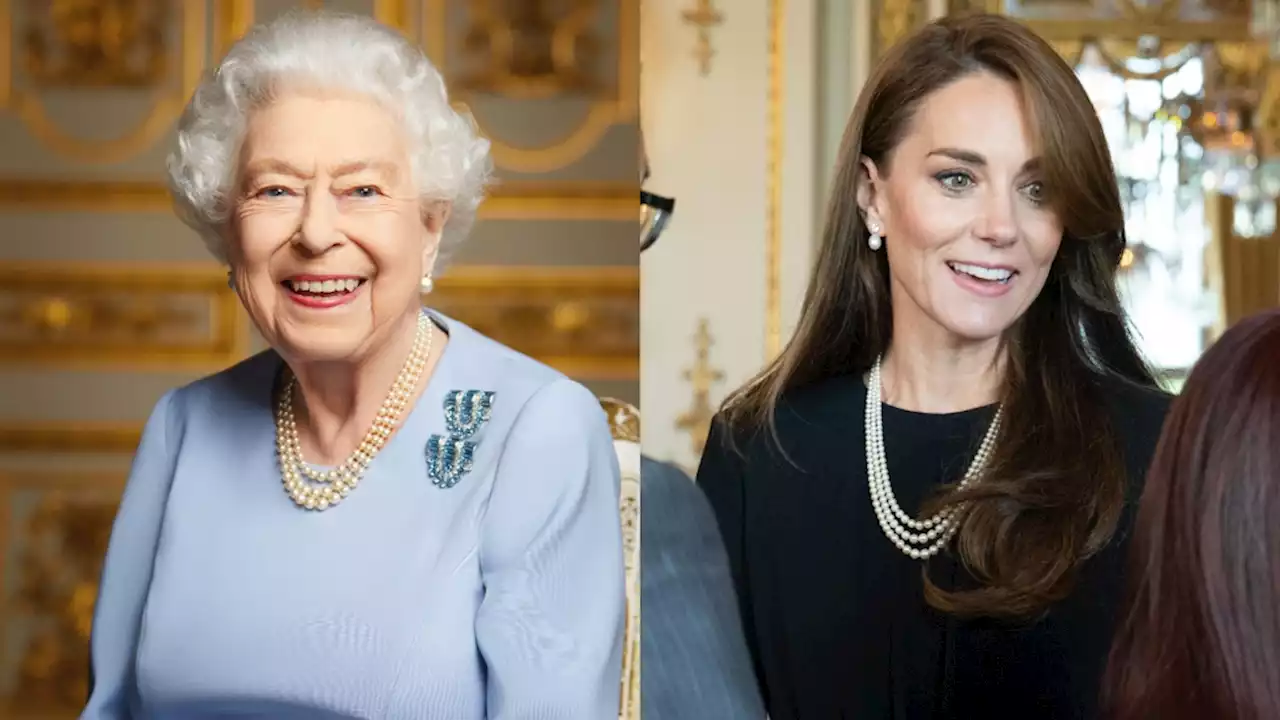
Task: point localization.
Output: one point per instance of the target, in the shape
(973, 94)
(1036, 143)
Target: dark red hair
(1200, 636)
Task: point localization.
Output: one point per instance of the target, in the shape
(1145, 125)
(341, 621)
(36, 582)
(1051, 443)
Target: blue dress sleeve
(126, 573)
(551, 621)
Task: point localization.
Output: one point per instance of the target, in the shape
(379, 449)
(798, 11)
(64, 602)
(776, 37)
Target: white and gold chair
(624, 423)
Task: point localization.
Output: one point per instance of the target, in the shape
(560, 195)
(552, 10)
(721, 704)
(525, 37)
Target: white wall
(741, 242)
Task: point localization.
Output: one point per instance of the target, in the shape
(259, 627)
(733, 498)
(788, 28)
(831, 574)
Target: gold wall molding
(773, 179)
(54, 529)
(603, 114)
(527, 53)
(703, 16)
(119, 316)
(583, 321)
(164, 110)
(89, 45)
(525, 200)
(57, 437)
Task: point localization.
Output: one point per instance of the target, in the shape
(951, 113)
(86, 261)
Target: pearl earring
(427, 284)
(874, 241)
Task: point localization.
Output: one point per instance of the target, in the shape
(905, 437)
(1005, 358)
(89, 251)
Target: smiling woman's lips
(323, 293)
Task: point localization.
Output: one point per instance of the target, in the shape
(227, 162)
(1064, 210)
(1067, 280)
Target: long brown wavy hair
(1200, 634)
(1055, 486)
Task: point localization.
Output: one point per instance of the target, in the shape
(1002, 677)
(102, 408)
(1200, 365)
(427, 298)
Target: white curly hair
(325, 50)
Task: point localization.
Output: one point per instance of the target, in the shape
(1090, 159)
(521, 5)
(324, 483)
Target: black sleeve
(721, 477)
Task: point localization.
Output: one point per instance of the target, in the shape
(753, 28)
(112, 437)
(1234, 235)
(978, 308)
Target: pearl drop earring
(427, 284)
(874, 241)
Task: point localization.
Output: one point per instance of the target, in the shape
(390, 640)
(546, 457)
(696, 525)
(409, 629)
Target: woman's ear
(434, 219)
(869, 195)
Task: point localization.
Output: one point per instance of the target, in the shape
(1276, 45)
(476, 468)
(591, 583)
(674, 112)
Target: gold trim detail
(773, 174)
(541, 200)
(165, 109)
(702, 375)
(604, 113)
(583, 321)
(69, 437)
(624, 419)
(703, 16)
(54, 529)
(154, 316)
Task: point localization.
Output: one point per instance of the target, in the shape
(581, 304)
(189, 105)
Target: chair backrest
(624, 423)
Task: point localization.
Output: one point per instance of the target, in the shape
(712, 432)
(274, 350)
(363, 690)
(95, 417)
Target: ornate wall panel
(583, 321)
(567, 74)
(53, 535)
(77, 314)
(499, 55)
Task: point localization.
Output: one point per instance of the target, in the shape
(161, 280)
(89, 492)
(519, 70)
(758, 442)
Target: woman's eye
(955, 180)
(365, 191)
(1035, 191)
(273, 192)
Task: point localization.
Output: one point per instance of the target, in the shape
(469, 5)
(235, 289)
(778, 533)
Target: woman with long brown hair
(1200, 637)
(923, 497)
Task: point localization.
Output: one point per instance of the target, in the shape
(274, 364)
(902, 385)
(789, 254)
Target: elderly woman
(386, 515)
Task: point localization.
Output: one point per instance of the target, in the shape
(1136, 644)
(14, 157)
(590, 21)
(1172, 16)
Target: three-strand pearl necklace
(919, 539)
(322, 489)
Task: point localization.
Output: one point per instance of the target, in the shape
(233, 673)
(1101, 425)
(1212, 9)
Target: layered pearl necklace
(322, 489)
(919, 539)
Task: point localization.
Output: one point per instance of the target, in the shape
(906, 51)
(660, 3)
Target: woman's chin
(322, 343)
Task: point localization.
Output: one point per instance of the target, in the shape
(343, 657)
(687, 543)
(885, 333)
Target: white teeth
(318, 287)
(982, 273)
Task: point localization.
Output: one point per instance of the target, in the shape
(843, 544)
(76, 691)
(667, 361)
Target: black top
(834, 613)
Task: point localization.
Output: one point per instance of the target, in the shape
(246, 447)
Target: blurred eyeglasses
(655, 213)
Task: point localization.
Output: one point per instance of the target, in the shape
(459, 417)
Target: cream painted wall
(740, 246)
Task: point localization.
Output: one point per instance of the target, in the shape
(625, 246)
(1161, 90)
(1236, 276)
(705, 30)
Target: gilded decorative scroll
(703, 16)
(105, 44)
(702, 376)
(53, 536)
(624, 419)
(542, 71)
(529, 48)
(585, 322)
(95, 43)
(160, 316)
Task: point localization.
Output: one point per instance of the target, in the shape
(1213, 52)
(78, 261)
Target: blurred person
(694, 661)
(386, 514)
(925, 497)
(1199, 635)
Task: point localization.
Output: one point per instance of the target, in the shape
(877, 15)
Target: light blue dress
(498, 598)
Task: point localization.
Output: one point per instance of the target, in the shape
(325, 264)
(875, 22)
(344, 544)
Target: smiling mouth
(328, 287)
(998, 276)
